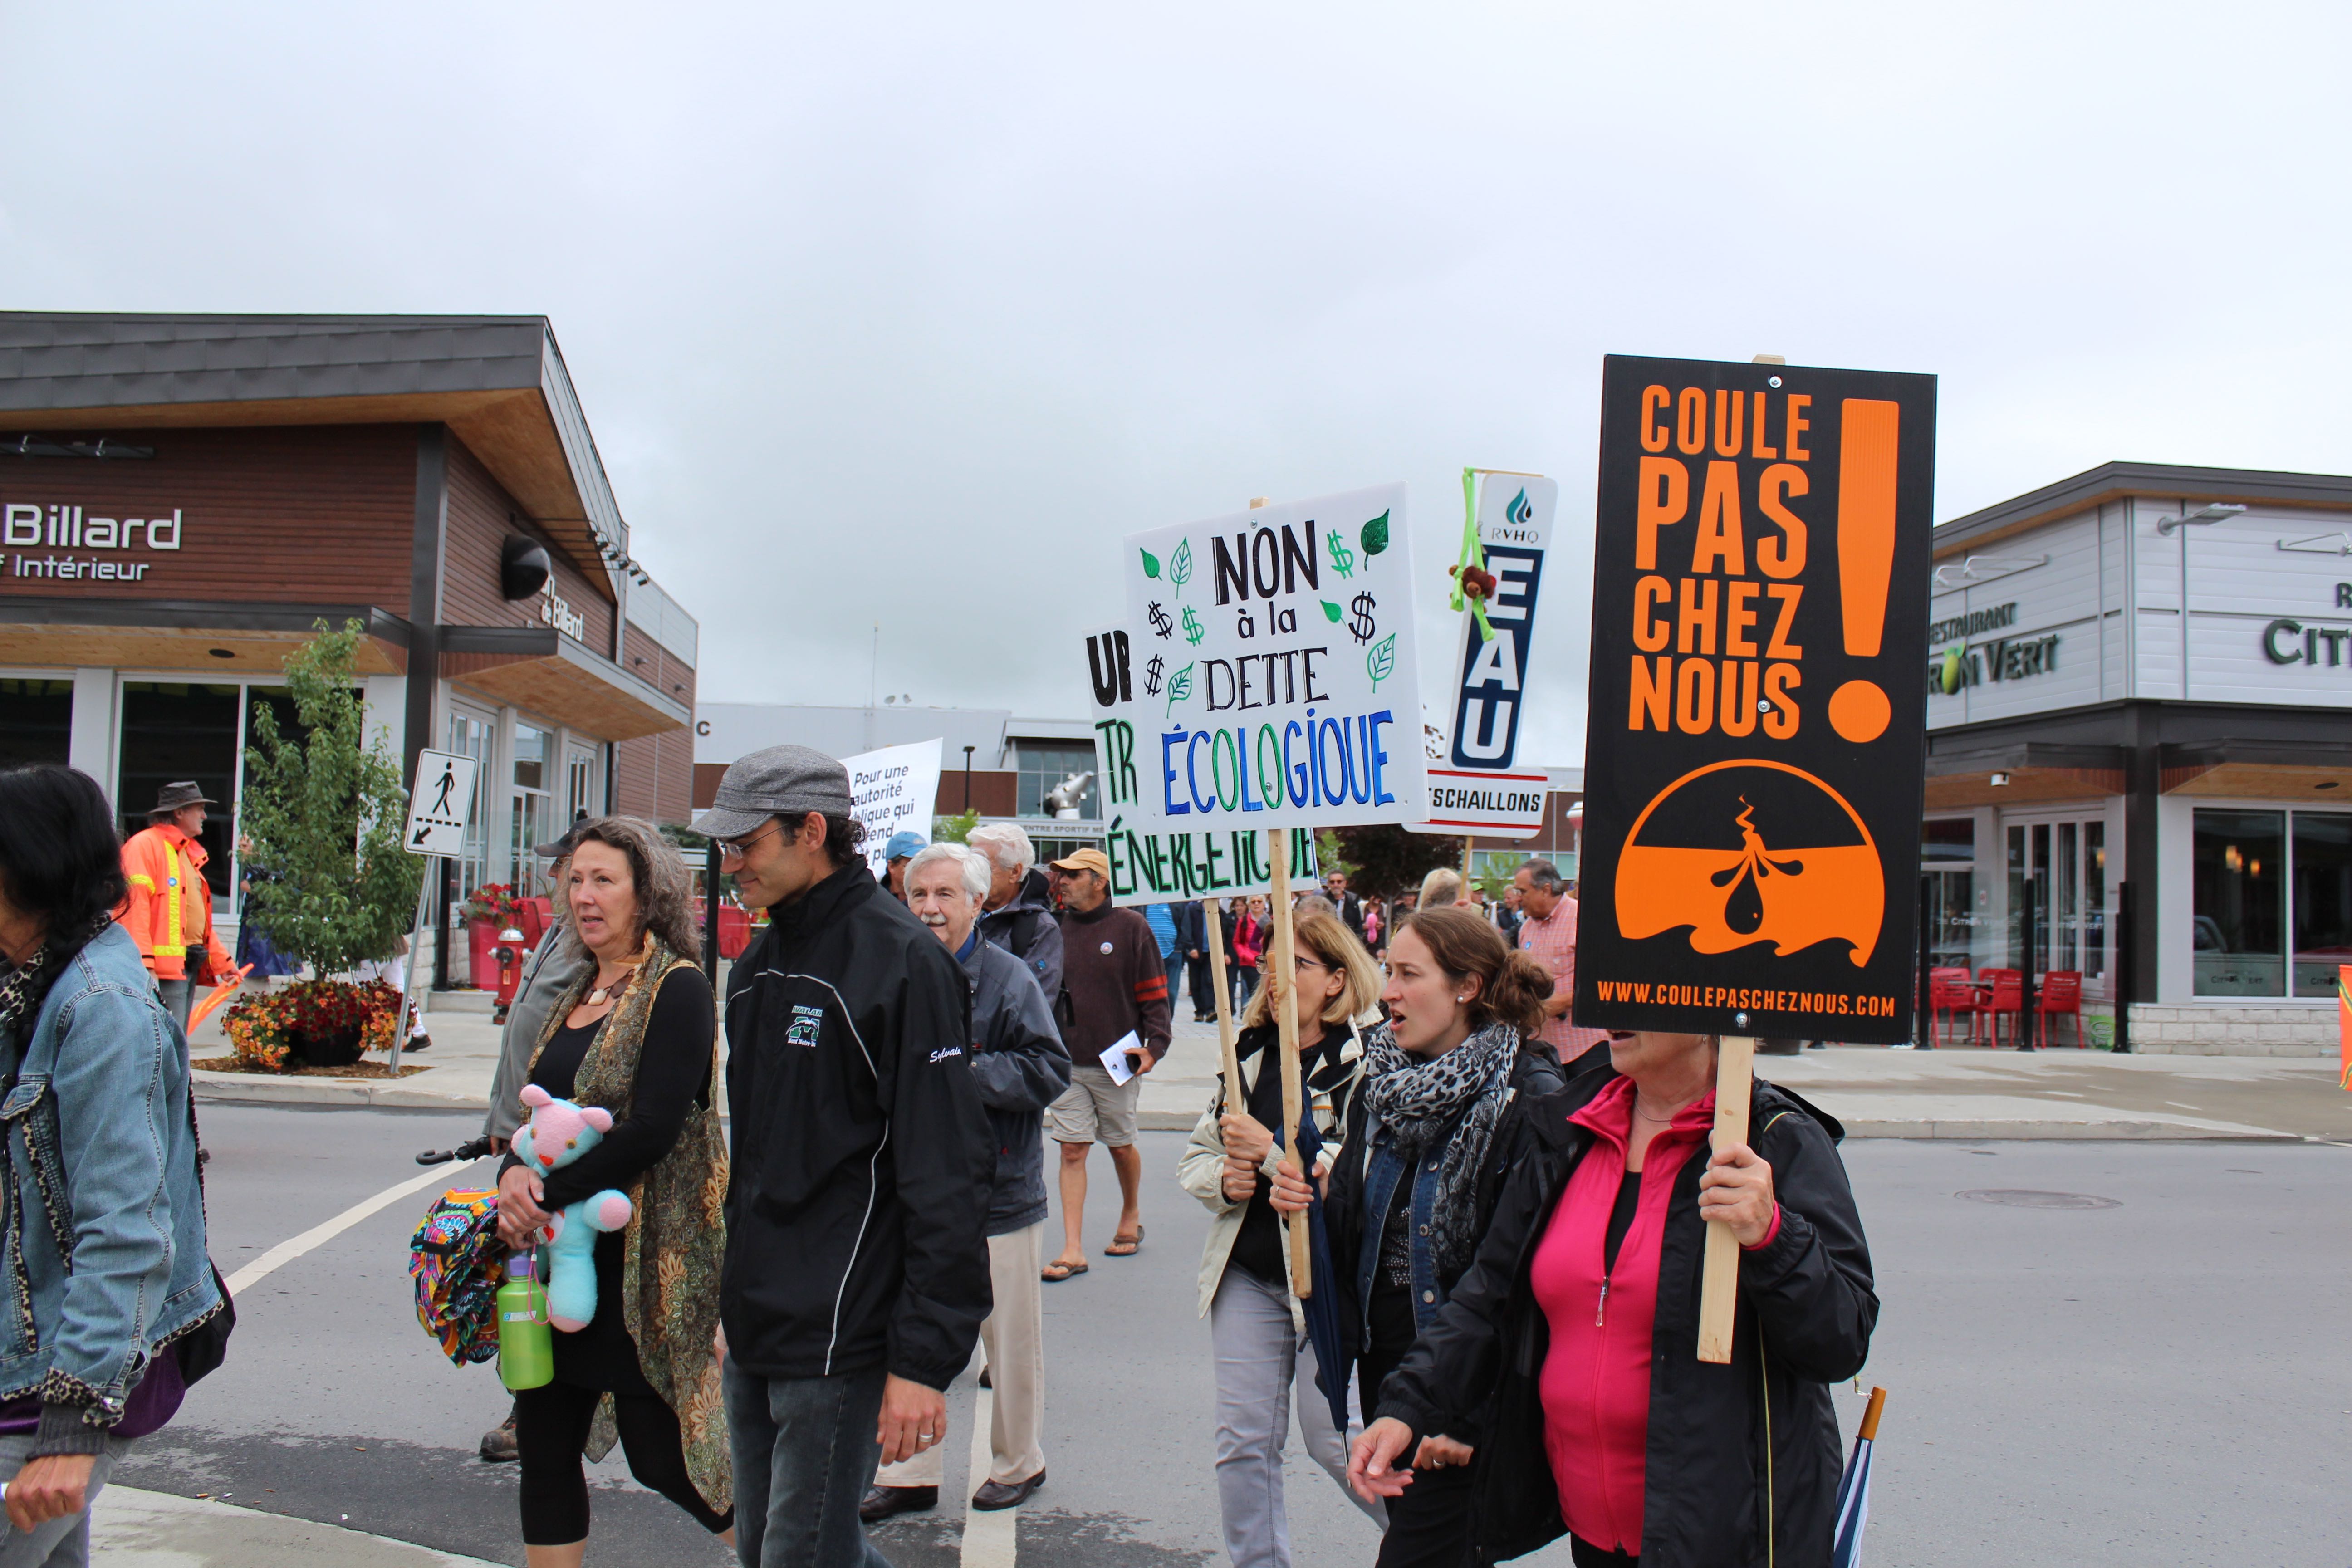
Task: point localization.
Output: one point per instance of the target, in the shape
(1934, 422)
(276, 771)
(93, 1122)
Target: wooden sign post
(1718, 1284)
(1286, 968)
(1227, 1056)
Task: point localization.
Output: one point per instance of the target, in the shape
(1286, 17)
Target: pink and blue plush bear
(559, 1134)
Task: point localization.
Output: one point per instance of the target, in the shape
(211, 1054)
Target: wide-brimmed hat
(782, 780)
(173, 796)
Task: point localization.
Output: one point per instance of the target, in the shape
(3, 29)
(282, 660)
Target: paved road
(2160, 1381)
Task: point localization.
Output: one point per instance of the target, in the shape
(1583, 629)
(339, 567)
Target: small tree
(956, 830)
(1384, 861)
(325, 811)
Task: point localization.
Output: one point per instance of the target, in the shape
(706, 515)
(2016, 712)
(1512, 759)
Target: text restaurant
(2139, 773)
(184, 498)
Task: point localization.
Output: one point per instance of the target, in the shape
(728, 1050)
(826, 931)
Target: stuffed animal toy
(559, 1134)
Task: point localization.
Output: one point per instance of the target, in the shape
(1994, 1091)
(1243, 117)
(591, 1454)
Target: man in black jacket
(857, 1270)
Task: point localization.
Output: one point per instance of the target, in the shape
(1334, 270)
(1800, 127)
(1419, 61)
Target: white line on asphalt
(988, 1534)
(287, 1252)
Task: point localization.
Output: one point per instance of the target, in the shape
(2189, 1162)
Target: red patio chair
(2005, 993)
(1948, 991)
(2062, 992)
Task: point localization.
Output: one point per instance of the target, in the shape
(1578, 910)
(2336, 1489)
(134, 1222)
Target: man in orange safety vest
(170, 911)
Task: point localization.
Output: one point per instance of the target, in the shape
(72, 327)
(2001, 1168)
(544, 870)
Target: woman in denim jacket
(101, 1219)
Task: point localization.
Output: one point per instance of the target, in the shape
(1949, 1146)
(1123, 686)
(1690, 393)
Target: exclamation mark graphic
(1870, 432)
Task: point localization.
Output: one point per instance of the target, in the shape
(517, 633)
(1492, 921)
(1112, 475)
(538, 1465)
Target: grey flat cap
(783, 781)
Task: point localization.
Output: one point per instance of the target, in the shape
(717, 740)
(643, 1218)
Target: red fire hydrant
(508, 953)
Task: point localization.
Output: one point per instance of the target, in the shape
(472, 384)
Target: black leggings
(1584, 1554)
(551, 1428)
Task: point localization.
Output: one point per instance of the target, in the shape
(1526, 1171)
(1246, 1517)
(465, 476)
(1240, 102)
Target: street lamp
(967, 776)
(2212, 512)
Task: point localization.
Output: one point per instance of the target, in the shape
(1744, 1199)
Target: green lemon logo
(1951, 669)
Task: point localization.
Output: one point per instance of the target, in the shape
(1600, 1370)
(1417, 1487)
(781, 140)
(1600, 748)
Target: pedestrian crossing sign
(439, 803)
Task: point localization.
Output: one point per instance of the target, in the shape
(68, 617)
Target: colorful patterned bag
(454, 1258)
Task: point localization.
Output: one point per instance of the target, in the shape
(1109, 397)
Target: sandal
(1132, 1245)
(1068, 1271)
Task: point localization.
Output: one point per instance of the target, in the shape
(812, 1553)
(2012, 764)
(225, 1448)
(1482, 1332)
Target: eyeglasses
(1302, 962)
(736, 848)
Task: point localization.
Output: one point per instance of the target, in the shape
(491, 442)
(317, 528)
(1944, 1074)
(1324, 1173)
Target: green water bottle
(526, 1343)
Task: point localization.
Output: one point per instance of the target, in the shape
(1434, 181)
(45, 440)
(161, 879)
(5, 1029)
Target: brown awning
(559, 678)
(2030, 771)
(230, 641)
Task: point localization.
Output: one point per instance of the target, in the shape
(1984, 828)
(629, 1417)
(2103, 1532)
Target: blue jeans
(60, 1543)
(804, 1455)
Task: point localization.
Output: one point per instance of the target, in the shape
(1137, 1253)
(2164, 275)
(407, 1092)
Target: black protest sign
(1753, 766)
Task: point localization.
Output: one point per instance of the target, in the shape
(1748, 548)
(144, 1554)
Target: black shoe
(984, 1382)
(881, 1503)
(417, 1043)
(993, 1495)
(499, 1445)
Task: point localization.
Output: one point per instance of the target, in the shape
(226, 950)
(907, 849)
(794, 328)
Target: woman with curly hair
(634, 1036)
(1256, 1324)
(1442, 1122)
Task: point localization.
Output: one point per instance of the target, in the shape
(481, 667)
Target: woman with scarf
(635, 1035)
(105, 1216)
(1256, 1324)
(1442, 1120)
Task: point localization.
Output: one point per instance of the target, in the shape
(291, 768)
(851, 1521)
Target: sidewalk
(1961, 1092)
(134, 1528)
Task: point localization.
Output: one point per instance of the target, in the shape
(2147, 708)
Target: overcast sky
(903, 314)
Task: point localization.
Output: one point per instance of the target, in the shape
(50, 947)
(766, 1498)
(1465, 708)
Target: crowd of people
(1507, 1213)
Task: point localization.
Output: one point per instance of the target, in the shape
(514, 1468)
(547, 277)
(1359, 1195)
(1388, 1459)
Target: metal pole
(1926, 1022)
(2124, 977)
(967, 776)
(2028, 925)
(409, 969)
(711, 912)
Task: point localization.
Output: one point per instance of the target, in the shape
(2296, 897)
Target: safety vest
(170, 908)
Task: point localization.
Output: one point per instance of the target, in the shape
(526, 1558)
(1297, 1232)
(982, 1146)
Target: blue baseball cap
(904, 843)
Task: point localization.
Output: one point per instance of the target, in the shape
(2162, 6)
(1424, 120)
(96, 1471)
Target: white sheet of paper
(1114, 1060)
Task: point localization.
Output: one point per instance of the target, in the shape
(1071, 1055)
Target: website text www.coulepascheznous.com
(1748, 999)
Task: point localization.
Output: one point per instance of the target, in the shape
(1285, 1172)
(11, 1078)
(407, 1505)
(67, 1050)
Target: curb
(2106, 1130)
(238, 1088)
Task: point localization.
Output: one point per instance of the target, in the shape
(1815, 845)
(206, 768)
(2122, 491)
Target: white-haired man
(1018, 915)
(1019, 1065)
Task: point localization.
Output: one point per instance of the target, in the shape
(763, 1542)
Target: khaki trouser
(1014, 1336)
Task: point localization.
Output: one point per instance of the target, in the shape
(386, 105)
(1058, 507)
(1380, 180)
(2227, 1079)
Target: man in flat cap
(857, 1270)
(170, 912)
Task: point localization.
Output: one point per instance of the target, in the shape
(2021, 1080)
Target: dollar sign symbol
(1192, 630)
(1159, 621)
(1360, 625)
(1342, 558)
(1151, 673)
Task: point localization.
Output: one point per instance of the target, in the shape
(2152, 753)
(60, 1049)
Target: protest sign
(1273, 667)
(1753, 770)
(892, 790)
(1474, 786)
(1152, 862)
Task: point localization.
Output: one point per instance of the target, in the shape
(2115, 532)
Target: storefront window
(172, 730)
(36, 722)
(1947, 853)
(2094, 901)
(1043, 768)
(470, 736)
(2238, 867)
(2322, 899)
(528, 824)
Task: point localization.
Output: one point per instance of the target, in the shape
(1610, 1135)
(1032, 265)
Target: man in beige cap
(1114, 983)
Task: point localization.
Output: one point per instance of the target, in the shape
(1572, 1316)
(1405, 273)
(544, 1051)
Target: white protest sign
(892, 790)
(1149, 862)
(439, 804)
(1273, 680)
(1473, 787)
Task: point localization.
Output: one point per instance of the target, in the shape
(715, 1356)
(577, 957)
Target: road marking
(287, 1252)
(988, 1534)
(2178, 1105)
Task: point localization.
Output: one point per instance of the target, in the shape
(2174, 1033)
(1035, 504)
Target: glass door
(470, 735)
(2058, 869)
(527, 824)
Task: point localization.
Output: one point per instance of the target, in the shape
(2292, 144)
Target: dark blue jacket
(1019, 1064)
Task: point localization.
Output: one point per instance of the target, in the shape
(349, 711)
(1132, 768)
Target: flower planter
(340, 1049)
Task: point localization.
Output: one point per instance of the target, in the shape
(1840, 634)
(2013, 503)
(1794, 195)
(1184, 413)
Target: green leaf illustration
(1375, 537)
(1331, 612)
(1381, 663)
(1180, 565)
(1180, 685)
(1150, 563)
